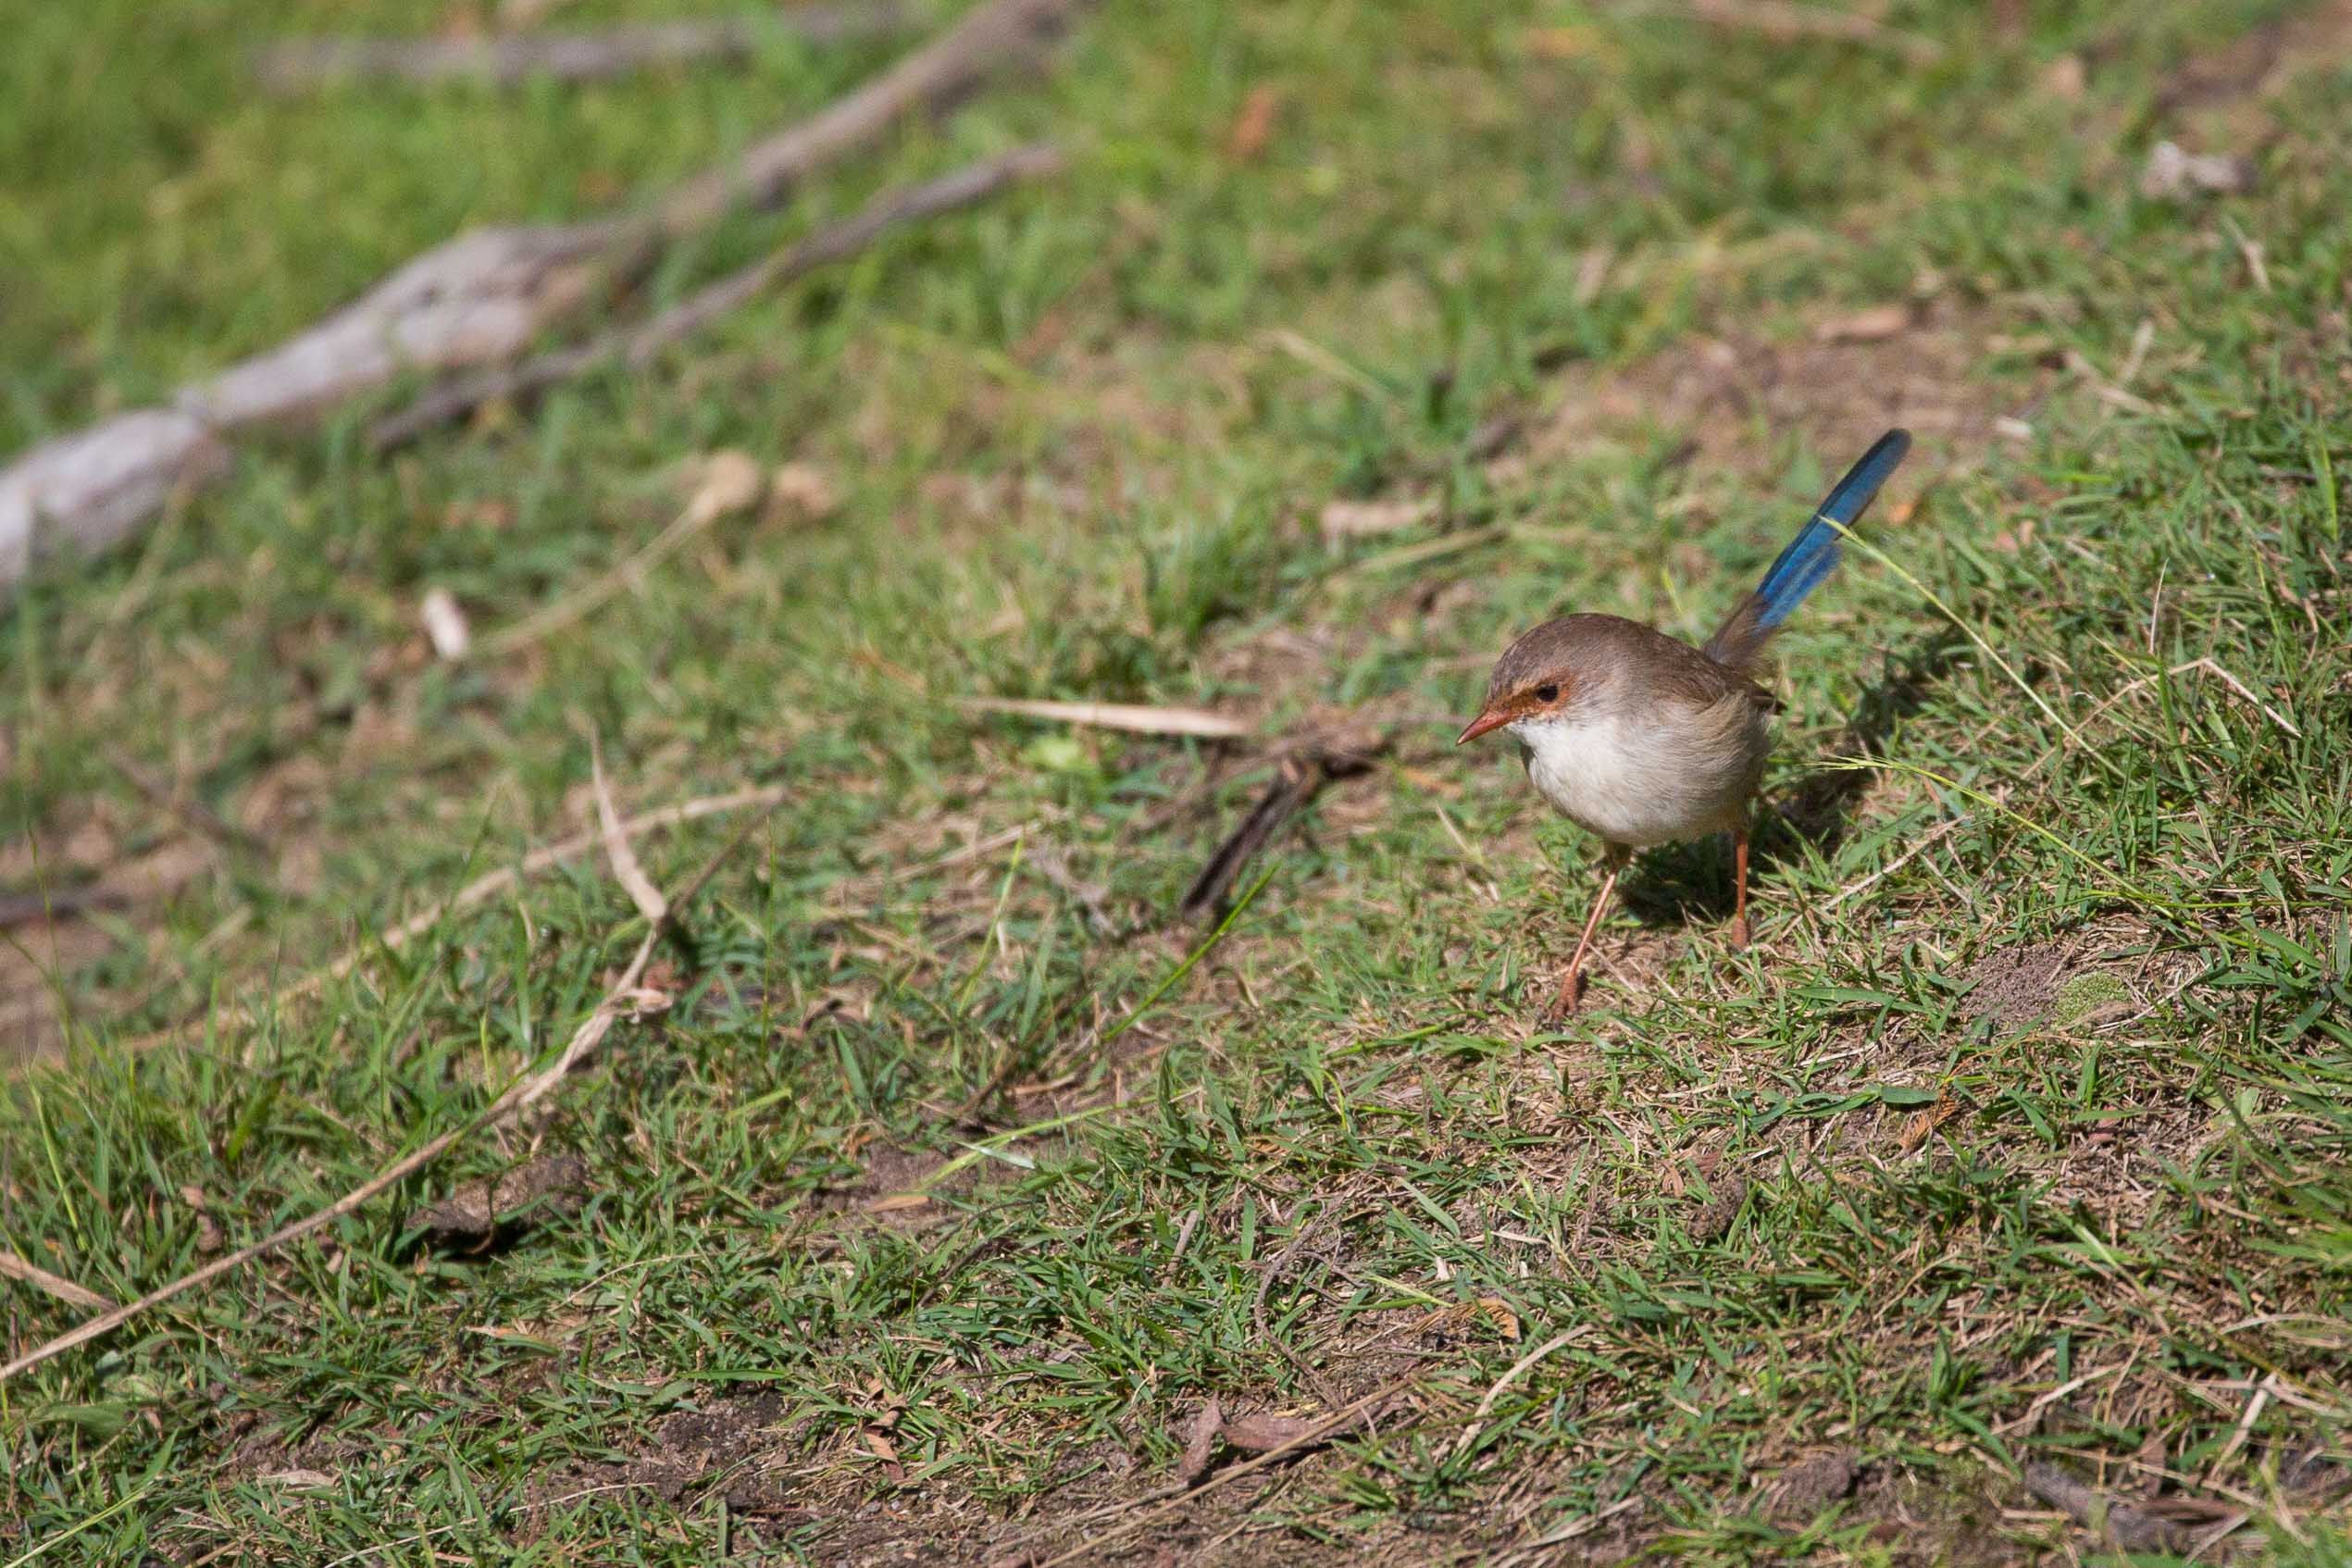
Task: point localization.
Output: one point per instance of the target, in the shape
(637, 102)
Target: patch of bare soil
(2077, 981)
(1839, 382)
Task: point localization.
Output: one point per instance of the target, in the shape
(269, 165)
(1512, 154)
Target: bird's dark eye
(1547, 693)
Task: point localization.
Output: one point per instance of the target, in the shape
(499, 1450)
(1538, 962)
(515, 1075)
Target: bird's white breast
(1642, 778)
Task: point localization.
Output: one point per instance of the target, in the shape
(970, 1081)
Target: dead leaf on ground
(1253, 127)
(481, 1212)
(298, 1480)
(724, 482)
(1366, 520)
(802, 491)
(2171, 172)
(1200, 1442)
(1922, 1126)
(209, 1239)
(1874, 325)
(1452, 1320)
(1264, 1433)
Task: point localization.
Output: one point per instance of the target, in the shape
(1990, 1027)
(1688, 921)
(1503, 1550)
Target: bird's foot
(1737, 933)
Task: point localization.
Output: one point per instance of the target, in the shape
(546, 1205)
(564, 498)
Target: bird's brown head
(1537, 678)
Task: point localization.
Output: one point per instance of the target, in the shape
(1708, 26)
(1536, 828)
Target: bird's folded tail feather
(1810, 557)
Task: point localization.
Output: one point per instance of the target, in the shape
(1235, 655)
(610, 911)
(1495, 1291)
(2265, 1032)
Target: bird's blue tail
(1810, 556)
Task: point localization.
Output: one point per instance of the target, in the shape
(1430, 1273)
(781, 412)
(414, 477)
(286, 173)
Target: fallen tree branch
(478, 299)
(305, 65)
(637, 346)
(525, 1091)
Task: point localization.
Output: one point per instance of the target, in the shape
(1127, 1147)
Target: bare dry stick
(1133, 718)
(57, 1285)
(304, 65)
(637, 346)
(522, 1092)
(478, 299)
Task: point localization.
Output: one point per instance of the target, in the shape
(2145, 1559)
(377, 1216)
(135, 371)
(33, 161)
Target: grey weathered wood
(479, 299)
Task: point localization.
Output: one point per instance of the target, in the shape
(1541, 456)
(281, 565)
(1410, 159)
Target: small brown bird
(1641, 739)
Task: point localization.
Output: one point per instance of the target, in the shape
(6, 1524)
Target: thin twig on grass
(525, 1091)
(1136, 720)
(1517, 1370)
(304, 65)
(1301, 778)
(732, 483)
(64, 1289)
(638, 345)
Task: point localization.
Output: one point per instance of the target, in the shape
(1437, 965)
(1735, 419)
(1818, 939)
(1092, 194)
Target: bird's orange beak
(1490, 719)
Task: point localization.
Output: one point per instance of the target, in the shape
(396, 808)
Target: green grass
(1080, 439)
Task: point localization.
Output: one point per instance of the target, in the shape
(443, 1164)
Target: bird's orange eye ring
(1547, 693)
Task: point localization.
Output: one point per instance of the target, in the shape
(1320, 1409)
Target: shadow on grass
(1677, 884)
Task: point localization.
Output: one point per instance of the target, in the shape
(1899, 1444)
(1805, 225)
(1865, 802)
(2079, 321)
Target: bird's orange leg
(1739, 885)
(1571, 984)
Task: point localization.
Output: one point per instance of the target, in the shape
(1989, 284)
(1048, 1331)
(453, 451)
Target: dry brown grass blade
(64, 1289)
(732, 482)
(519, 1095)
(1517, 1370)
(1134, 718)
(625, 871)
